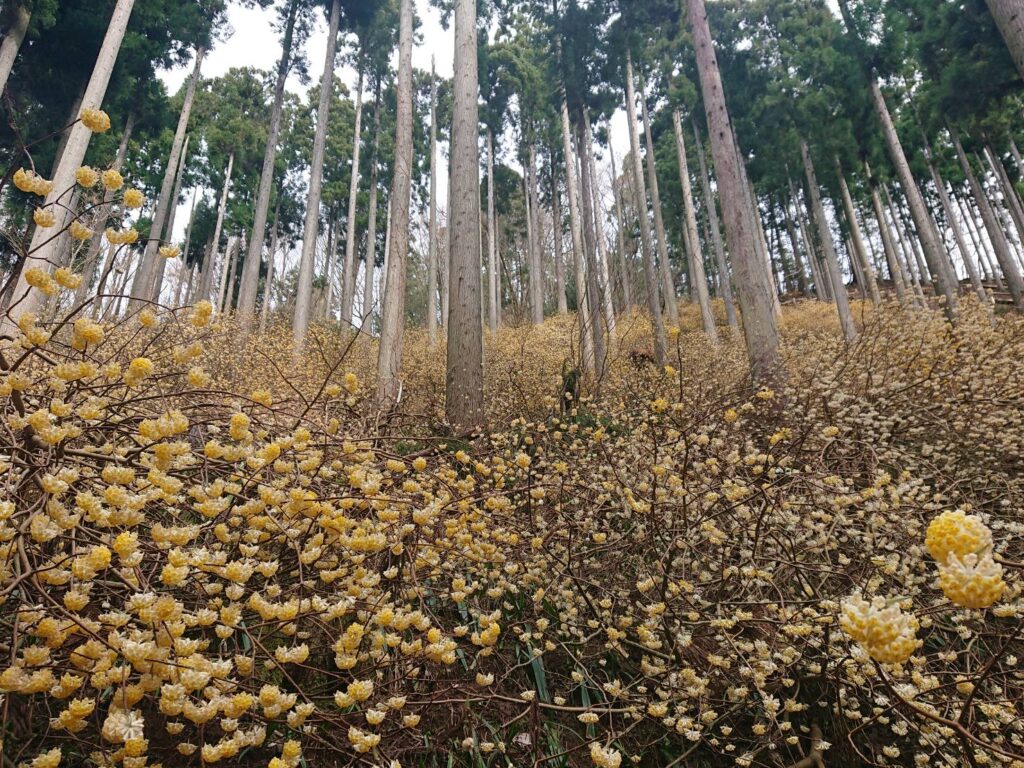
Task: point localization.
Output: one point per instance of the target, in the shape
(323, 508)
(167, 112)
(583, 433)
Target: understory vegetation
(214, 549)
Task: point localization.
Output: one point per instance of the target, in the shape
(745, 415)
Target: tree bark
(142, 286)
(698, 279)
(12, 43)
(370, 257)
(556, 225)
(534, 232)
(907, 251)
(1010, 197)
(933, 251)
(311, 225)
(895, 270)
(583, 300)
(997, 237)
(206, 283)
(725, 280)
(828, 248)
(668, 283)
(640, 203)
(1009, 18)
(161, 264)
(257, 240)
(493, 295)
(348, 273)
(227, 285)
(464, 379)
(958, 235)
(857, 239)
(268, 286)
(432, 265)
(184, 253)
(625, 282)
(593, 292)
(599, 235)
(42, 249)
(756, 303)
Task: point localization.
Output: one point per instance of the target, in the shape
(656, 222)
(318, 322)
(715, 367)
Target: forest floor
(651, 572)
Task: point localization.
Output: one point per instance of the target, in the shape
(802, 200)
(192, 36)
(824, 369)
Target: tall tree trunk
(756, 302)
(859, 251)
(794, 244)
(958, 235)
(1010, 197)
(227, 275)
(668, 283)
(209, 264)
(258, 237)
(348, 269)
(828, 248)
(698, 279)
(593, 292)
(42, 249)
(997, 237)
(432, 265)
(895, 270)
(640, 203)
(142, 286)
(583, 300)
(907, 251)
(493, 295)
(370, 258)
(933, 251)
(620, 236)
(268, 286)
(1009, 17)
(330, 256)
(967, 215)
(393, 312)
(161, 264)
(725, 280)
(536, 247)
(96, 244)
(599, 235)
(464, 379)
(184, 252)
(12, 42)
(311, 225)
(556, 225)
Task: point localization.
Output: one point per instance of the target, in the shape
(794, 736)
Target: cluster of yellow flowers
(96, 120)
(236, 562)
(31, 182)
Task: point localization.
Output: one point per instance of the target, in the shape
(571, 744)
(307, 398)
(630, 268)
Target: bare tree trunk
(578, 245)
(251, 265)
(625, 281)
(348, 269)
(432, 265)
(793, 203)
(185, 249)
(370, 258)
(828, 248)
(593, 293)
(330, 256)
(725, 280)
(99, 223)
(556, 225)
(536, 248)
(895, 270)
(859, 251)
(907, 251)
(227, 297)
(698, 280)
(996, 235)
(640, 202)
(668, 283)
(599, 234)
(142, 286)
(756, 303)
(494, 298)
(12, 43)
(927, 232)
(1009, 17)
(225, 270)
(311, 225)
(393, 312)
(1010, 197)
(268, 286)
(161, 264)
(958, 235)
(464, 380)
(976, 240)
(42, 249)
(206, 282)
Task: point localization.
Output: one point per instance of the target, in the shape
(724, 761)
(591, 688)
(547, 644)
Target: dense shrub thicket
(215, 551)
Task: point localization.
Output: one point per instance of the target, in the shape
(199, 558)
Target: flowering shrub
(207, 560)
